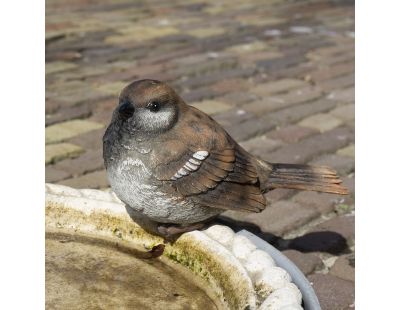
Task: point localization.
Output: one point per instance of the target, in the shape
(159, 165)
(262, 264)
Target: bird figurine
(176, 168)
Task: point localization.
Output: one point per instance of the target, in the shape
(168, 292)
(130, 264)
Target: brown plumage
(192, 160)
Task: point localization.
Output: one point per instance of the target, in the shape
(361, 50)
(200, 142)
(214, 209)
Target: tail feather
(305, 177)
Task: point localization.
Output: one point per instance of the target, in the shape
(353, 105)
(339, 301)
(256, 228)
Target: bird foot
(171, 231)
(156, 251)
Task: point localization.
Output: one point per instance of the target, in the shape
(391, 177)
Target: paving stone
(344, 268)
(331, 72)
(92, 140)
(296, 113)
(348, 151)
(252, 57)
(168, 56)
(266, 105)
(337, 59)
(233, 117)
(59, 151)
(238, 97)
(344, 225)
(199, 94)
(216, 76)
(214, 10)
(65, 86)
(53, 174)
(58, 66)
(301, 95)
(66, 130)
(320, 241)
(322, 122)
(274, 65)
(349, 183)
(177, 38)
(247, 47)
(113, 88)
(51, 106)
(209, 67)
(140, 33)
(281, 217)
(321, 202)
(277, 87)
(67, 114)
(307, 149)
(296, 71)
(339, 82)
(334, 236)
(63, 56)
(91, 160)
(307, 262)
(128, 72)
(101, 117)
(211, 106)
(301, 29)
(333, 293)
(279, 194)
(81, 96)
(230, 85)
(344, 95)
(261, 145)
(292, 133)
(342, 164)
(251, 20)
(192, 59)
(345, 112)
(97, 179)
(248, 129)
(107, 105)
(206, 32)
(83, 73)
(322, 52)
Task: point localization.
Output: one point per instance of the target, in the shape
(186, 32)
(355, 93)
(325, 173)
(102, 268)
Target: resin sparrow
(177, 168)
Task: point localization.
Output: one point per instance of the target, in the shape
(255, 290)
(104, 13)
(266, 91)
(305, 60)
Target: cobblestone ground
(278, 75)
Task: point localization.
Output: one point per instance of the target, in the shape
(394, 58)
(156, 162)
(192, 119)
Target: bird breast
(134, 184)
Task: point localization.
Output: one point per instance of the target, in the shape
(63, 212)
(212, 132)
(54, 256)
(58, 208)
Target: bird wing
(239, 189)
(217, 174)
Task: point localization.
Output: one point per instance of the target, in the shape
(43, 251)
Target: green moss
(123, 228)
(117, 233)
(343, 208)
(204, 265)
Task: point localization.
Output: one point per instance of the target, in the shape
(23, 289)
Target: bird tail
(305, 177)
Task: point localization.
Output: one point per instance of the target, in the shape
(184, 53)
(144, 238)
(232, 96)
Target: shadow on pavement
(319, 241)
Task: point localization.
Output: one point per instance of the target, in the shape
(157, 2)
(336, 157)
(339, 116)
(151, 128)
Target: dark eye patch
(154, 106)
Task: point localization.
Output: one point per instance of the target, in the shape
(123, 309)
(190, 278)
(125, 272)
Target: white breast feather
(130, 182)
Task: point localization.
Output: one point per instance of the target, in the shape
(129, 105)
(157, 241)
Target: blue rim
(310, 299)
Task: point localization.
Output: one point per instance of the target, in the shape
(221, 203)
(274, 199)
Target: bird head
(147, 106)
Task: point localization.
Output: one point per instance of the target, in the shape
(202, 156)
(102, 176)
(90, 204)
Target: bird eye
(154, 106)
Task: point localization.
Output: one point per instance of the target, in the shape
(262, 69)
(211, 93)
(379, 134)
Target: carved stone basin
(86, 273)
(95, 259)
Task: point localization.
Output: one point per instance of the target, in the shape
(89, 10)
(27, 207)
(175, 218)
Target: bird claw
(156, 251)
(172, 231)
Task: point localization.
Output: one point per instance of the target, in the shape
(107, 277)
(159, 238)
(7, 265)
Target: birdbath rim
(237, 270)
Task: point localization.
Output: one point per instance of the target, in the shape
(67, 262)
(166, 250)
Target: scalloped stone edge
(239, 275)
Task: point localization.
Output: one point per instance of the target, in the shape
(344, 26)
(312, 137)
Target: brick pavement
(278, 75)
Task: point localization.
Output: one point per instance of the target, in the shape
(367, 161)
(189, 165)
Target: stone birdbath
(95, 258)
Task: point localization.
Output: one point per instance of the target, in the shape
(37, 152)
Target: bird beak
(126, 110)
